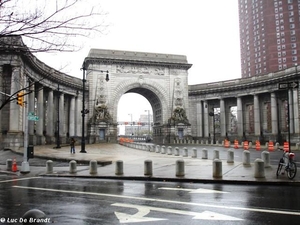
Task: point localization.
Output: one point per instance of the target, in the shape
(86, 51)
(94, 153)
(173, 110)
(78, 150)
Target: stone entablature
(233, 86)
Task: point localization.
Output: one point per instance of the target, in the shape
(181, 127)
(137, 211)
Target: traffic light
(20, 99)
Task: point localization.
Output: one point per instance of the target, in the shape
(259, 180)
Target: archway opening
(135, 115)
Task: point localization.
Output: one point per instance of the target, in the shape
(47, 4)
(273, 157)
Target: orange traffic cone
(14, 167)
(257, 145)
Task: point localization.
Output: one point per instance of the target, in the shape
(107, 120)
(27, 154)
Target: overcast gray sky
(207, 32)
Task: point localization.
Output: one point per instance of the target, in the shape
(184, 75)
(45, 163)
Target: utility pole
(25, 168)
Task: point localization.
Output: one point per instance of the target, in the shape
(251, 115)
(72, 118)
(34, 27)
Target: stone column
(206, 119)
(72, 117)
(296, 111)
(62, 114)
(291, 104)
(274, 116)
(199, 120)
(78, 116)
(50, 112)
(240, 123)
(15, 110)
(40, 113)
(256, 115)
(222, 118)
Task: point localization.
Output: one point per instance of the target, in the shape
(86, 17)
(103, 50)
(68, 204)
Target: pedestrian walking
(72, 144)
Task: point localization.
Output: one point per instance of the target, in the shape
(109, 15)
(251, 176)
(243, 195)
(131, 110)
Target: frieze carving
(149, 70)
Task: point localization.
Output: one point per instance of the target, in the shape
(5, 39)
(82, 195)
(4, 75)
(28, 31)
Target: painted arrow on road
(144, 210)
(195, 191)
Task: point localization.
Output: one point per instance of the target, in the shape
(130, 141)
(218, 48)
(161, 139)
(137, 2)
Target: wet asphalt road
(92, 201)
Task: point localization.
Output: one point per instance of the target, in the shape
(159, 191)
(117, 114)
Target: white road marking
(206, 215)
(295, 213)
(195, 191)
(13, 180)
(138, 217)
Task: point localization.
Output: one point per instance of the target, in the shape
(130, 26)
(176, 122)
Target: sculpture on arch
(101, 114)
(178, 116)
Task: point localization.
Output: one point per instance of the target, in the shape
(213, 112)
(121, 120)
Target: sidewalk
(164, 166)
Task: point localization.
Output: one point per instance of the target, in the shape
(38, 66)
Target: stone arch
(151, 90)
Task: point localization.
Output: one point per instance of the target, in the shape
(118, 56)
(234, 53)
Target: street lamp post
(148, 121)
(84, 110)
(212, 114)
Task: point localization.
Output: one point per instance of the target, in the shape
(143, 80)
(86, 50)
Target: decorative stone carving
(101, 114)
(179, 116)
(178, 96)
(140, 70)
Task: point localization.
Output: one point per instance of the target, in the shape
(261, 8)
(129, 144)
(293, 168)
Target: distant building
(269, 35)
(143, 126)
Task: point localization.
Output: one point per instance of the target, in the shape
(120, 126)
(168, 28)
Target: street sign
(30, 113)
(293, 84)
(33, 118)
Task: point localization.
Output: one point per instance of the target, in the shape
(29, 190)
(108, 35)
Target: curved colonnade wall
(54, 97)
(255, 108)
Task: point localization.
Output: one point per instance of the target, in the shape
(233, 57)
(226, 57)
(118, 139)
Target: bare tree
(52, 25)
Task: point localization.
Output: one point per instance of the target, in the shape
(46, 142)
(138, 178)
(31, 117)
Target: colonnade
(56, 105)
(257, 115)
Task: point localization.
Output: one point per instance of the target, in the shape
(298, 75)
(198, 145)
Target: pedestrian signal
(20, 99)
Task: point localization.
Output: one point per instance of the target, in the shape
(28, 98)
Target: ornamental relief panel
(149, 70)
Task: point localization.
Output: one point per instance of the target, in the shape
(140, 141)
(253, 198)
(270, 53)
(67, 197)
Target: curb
(186, 180)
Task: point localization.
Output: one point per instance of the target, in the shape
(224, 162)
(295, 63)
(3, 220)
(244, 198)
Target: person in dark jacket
(72, 144)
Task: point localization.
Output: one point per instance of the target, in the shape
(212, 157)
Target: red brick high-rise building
(269, 35)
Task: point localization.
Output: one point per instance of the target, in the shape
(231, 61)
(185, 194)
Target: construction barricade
(286, 146)
(236, 144)
(257, 145)
(226, 143)
(271, 146)
(246, 145)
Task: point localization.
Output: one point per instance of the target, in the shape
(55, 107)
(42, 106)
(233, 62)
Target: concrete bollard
(35, 215)
(9, 163)
(217, 168)
(204, 153)
(259, 168)
(93, 166)
(194, 153)
(169, 150)
(216, 154)
(246, 158)
(157, 149)
(265, 156)
(153, 148)
(163, 150)
(73, 166)
(230, 156)
(180, 168)
(176, 151)
(119, 167)
(250, 144)
(185, 152)
(148, 170)
(49, 166)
